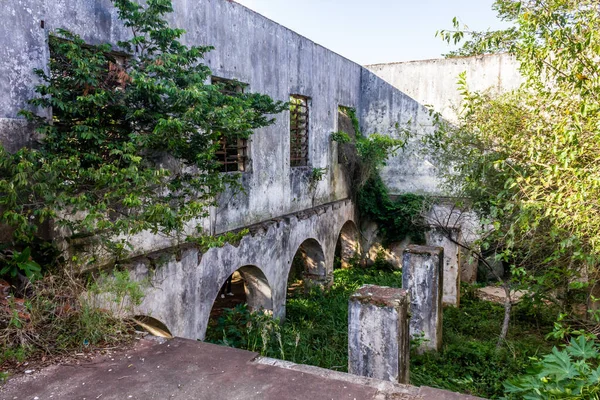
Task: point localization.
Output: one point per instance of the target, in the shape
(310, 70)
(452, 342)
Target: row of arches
(249, 283)
(308, 268)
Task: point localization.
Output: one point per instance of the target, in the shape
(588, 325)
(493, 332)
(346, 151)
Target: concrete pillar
(422, 277)
(448, 238)
(378, 333)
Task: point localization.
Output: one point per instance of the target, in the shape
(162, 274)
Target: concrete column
(448, 238)
(422, 277)
(378, 333)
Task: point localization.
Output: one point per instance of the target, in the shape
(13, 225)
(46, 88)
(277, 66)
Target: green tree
(529, 159)
(557, 45)
(131, 143)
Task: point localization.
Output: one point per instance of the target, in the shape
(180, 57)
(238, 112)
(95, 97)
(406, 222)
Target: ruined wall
(183, 286)
(270, 58)
(433, 83)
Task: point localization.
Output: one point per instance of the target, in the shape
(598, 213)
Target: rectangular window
(298, 131)
(232, 154)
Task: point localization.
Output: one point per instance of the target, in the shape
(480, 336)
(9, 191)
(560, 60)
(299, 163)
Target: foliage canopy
(529, 158)
(131, 143)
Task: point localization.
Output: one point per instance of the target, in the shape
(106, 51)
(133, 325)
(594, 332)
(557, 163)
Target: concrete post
(378, 333)
(448, 239)
(422, 277)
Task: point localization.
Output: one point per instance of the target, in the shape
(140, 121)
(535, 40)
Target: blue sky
(376, 31)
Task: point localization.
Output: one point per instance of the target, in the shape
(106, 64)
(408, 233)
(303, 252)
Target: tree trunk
(505, 323)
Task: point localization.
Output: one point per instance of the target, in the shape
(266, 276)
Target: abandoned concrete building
(288, 215)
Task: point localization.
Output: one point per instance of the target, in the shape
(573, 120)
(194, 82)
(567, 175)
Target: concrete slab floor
(185, 369)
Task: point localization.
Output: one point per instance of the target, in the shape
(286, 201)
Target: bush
(63, 314)
(571, 373)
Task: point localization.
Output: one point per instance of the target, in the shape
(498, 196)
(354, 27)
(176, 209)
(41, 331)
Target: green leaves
(132, 140)
(397, 218)
(582, 348)
(20, 262)
(528, 158)
(571, 373)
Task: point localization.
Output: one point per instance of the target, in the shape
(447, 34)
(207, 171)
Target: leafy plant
(315, 332)
(364, 155)
(147, 161)
(571, 373)
(206, 242)
(527, 159)
(396, 219)
(20, 262)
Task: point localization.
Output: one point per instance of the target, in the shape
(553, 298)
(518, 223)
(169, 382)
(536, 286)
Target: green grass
(469, 361)
(315, 332)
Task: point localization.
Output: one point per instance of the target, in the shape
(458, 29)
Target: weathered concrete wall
(433, 83)
(184, 286)
(387, 111)
(378, 333)
(270, 58)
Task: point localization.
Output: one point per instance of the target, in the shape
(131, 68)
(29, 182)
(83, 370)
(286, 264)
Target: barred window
(233, 153)
(298, 131)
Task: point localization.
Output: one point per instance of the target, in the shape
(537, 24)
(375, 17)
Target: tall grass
(315, 332)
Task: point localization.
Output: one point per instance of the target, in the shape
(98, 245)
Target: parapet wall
(433, 83)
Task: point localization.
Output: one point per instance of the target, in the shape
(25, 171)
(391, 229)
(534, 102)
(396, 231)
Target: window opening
(232, 154)
(298, 131)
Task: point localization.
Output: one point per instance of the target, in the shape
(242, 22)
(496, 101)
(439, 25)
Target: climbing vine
(397, 219)
(363, 157)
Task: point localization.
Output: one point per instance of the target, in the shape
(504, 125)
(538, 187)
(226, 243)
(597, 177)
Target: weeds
(63, 314)
(469, 361)
(315, 332)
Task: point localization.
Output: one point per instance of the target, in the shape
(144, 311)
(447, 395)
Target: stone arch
(347, 245)
(255, 289)
(152, 326)
(308, 264)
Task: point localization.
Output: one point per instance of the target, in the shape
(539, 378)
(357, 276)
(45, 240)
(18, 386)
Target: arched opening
(347, 247)
(246, 286)
(152, 326)
(308, 267)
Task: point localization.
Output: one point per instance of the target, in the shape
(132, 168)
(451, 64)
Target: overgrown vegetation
(129, 148)
(363, 156)
(397, 219)
(528, 161)
(572, 373)
(146, 162)
(64, 313)
(315, 332)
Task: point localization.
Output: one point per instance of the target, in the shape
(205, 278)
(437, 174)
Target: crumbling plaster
(433, 84)
(181, 289)
(270, 58)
